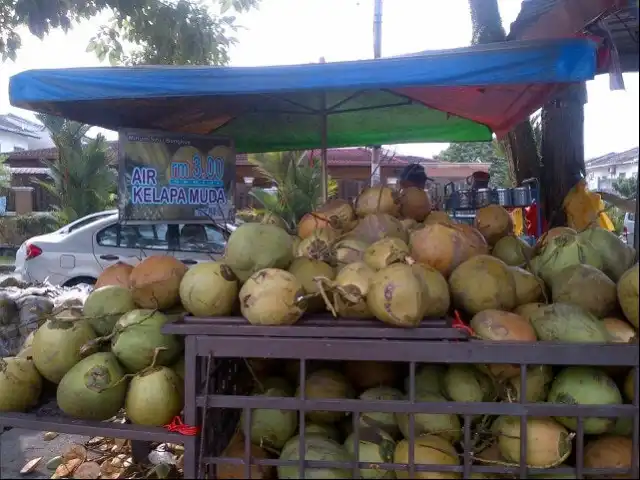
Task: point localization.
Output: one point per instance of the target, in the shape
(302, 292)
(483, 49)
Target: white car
(629, 228)
(78, 252)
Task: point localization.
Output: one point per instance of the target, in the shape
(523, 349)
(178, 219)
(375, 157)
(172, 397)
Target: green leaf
(225, 5)
(91, 47)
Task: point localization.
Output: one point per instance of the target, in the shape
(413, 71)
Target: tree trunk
(562, 150)
(519, 145)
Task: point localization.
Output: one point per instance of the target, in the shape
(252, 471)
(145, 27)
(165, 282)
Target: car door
(200, 243)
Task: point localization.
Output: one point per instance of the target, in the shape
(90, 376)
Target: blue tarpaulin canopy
(451, 95)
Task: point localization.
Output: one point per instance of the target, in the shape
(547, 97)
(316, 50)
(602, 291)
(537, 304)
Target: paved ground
(19, 446)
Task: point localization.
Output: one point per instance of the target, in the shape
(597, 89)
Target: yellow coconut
(155, 282)
(352, 286)
(527, 309)
(628, 294)
(436, 298)
(327, 384)
(377, 200)
(427, 450)
(414, 203)
(385, 252)
(438, 216)
(620, 331)
(116, 274)
(609, 451)
(529, 288)
(494, 222)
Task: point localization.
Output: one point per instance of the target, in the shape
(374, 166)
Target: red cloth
(531, 220)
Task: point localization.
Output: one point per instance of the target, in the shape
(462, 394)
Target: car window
(133, 236)
(201, 238)
(86, 221)
(631, 217)
(108, 237)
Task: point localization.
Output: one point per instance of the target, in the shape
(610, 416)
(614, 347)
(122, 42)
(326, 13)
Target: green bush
(15, 230)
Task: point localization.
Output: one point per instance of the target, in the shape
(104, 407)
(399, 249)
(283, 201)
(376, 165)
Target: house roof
(614, 158)
(20, 126)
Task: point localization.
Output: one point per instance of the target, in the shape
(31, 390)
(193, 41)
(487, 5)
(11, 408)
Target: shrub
(17, 229)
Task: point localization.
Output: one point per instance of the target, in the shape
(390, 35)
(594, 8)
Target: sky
(301, 31)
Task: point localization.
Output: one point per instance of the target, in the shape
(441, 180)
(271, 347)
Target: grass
(7, 260)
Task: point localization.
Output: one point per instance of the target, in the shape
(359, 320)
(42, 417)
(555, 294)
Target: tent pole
(636, 235)
(377, 53)
(323, 143)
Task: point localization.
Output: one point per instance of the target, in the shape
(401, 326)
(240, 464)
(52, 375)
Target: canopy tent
(440, 96)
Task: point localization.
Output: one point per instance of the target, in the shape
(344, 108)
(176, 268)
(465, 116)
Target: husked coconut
(378, 199)
(155, 281)
(529, 288)
(209, 289)
(512, 250)
(116, 274)
(587, 287)
(384, 252)
(414, 203)
(395, 296)
(493, 222)
(483, 282)
(352, 286)
(628, 294)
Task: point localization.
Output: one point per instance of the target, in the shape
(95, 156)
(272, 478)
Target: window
(86, 221)
(201, 238)
(148, 237)
(108, 237)
(622, 175)
(18, 149)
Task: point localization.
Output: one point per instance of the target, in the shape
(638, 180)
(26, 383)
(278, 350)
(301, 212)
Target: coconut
(496, 325)
(350, 296)
(377, 200)
(116, 274)
(548, 442)
(272, 428)
(609, 451)
(616, 256)
(414, 203)
(464, 383)
(209, 290)
(395, 296)
(377, 226)
(439, 216)
(429, 378)
(315, 448)
(527, 309)
(538, 379)
(385, 252)
(628, 294)
(585, 286)
(252, 247)
(324, 430)
(295, 243)
(349, 250)
(278, 383)
(585, 386)
(178, 367)
(306, 270)
(93, 389)
(20, 384)
(381, 420)
(105, 305)
(155, 282)
(155, 396)
(311, 222)
(273, 219)
(365, 375)
(553, 233)
(564, 251)
(318, 245)
(57, 343)
(483, 282)
(443, 247)
(629, 385)
(512, 250)
(494, 222)
(137, 336)
(427, 450)
(374, 446)
(232, 471)
(529, 288)
(26, 349)
(622, 426)
(435, 292)
(326, 383)
(478, 242)
(619, 330)
(272, 297)
(564, 322)
(409, 224)
(446, 425)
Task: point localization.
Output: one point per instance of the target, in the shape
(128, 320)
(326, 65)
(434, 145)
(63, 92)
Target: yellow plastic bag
(518, 223)
(583, 208)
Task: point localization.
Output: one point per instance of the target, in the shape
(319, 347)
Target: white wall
(601, 178)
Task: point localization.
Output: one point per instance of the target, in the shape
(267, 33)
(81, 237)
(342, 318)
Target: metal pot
(482, 197)
(504, 196)
(521, 196)
(465, 199)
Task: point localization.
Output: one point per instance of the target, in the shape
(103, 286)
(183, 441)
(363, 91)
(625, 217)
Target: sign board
(175, 178)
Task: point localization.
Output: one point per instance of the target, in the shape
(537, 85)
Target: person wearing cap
(413, 175)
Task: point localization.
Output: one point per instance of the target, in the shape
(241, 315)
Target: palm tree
(81, 179)
(296, 185)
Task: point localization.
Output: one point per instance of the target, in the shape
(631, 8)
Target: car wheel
(74, 282)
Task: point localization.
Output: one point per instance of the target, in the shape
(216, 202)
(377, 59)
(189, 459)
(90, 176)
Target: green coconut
(326, 384)
(384, 252)
(395, 296)
(57, 343)
(564, 322)
(155, 396)
(137, 336)
(278, 383)
(254, 246)
(564, 251)
(352, 286)
(374, 446)
(178, 367)
(316, 448)
(587, 287)
(585, 386)
(629, 385)
(26, 349)
(382, 420)
(527, 309)
(94, 389)
(512, 250)
(429, 378)
(209, 290)
(20, 384)
(348, 250)
(269, 427)
(465, 383)
(305, 270)
(617, 257)
(325, 430)
(538, 379)
(105, 305)
(529, 288)
(628, 295)
(445, 425)
(622, 426)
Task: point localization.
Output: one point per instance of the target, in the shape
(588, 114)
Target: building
(18, 134)
(350, 167)
(603, 171)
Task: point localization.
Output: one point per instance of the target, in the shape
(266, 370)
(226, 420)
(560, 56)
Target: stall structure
(449, 96)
